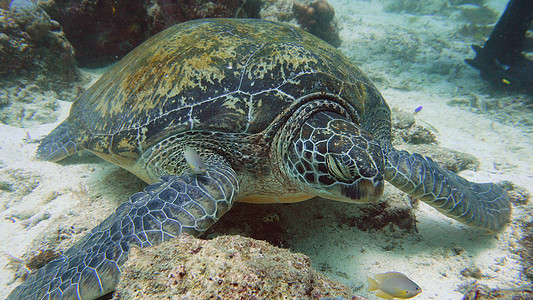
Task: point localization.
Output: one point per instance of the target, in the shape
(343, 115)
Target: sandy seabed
(414, 59)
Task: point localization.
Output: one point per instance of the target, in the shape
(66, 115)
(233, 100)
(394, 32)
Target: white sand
(81, 192)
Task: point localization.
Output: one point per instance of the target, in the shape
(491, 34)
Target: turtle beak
(361, 191)
(364, 191)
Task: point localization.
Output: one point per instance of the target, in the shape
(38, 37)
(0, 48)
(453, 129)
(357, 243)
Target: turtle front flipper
(60, 143)
(175, 205)
(481, 205)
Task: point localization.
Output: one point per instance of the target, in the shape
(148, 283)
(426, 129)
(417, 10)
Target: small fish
(392, 285)
(418, 109)
(194, 161)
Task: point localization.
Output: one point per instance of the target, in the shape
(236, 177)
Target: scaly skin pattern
(273, 115)
(164, 210)
(482, 205)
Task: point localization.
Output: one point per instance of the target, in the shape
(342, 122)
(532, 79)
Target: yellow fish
(194, 161)
(392, 285)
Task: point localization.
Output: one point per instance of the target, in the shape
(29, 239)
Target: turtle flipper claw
(164, 210)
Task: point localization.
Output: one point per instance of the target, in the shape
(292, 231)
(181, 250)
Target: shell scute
(220, 75)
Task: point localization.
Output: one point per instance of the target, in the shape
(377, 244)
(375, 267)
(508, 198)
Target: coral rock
(452, 160)
(481, 292)
(227, 267)
(317, 18)
(123, 24)
(33, 49)
(16, 49)
(100, 31)
(165, 13)
(526, 253)
(406, 129)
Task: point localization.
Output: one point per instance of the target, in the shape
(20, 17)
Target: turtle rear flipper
(175, 205)
(60, 143)
(481, 205)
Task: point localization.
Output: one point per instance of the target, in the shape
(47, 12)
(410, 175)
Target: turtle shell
(214, 75)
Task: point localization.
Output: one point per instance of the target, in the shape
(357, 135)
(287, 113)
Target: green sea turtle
(265, 113)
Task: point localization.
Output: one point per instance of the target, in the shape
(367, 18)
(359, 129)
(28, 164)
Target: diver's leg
(507, 39)
(501, 60)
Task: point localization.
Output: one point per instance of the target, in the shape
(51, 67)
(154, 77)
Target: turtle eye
(342, 169)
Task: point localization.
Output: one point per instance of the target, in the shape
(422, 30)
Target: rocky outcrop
(227, 267)
(33, 45)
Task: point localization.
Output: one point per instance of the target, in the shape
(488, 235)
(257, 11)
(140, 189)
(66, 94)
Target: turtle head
(335, 158)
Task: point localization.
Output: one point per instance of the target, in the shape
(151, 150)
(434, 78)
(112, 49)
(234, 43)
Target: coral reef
(16, 50)
(100, 31)
(32, 43)
(277, 10)
(481, 292)
(450, 159)
(32, 18)
(104, 31)
(527, 248)
(406, 130)
(317, 18)
(227, 267)
(121, 25)
(37, 62)
(396, 211)
(165, 13)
